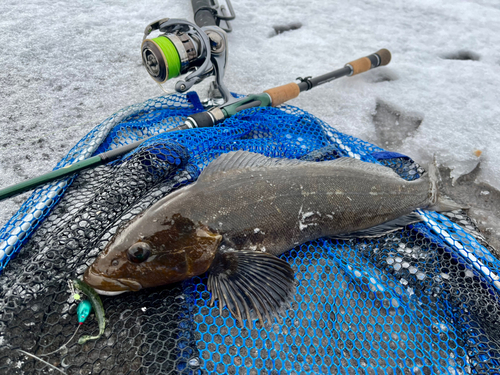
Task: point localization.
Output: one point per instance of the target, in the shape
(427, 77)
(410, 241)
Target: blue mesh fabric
(424, 300)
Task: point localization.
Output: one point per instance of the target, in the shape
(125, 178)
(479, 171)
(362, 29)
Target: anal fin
(251, 284)
(384, 228)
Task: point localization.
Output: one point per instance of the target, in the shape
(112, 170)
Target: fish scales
(274, 209)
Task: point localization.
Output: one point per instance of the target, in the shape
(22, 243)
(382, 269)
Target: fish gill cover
(424, 300)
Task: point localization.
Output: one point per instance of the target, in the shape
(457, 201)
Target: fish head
(147, 254)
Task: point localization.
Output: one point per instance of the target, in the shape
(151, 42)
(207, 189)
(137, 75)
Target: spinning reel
(184, 48)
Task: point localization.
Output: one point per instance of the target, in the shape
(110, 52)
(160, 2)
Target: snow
(66, 66)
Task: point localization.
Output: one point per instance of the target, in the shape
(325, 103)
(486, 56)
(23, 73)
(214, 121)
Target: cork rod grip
(281, 94)
(379, 58)
(360, 65)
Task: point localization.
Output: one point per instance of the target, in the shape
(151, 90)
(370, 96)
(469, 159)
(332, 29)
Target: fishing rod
(210, 59)
(281, 94)
(271, 97)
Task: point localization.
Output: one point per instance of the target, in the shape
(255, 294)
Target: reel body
(185, 48)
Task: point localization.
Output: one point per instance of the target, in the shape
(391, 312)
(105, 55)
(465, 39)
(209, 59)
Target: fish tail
(439, 202)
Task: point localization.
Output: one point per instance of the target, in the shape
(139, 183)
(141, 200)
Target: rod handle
(281, 94)
(380, 58)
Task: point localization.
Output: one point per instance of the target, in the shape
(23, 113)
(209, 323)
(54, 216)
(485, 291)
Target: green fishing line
(172, 58)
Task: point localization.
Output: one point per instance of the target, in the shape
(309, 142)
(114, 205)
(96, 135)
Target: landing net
(424, 300)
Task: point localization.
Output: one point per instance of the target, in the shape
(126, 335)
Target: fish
(246, 209)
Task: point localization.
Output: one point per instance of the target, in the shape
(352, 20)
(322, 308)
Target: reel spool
(184, 48)
(168, 56)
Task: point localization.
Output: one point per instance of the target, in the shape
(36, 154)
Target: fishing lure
(96, 303)
(83, 311)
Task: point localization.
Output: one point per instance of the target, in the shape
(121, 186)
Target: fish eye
(139, 252)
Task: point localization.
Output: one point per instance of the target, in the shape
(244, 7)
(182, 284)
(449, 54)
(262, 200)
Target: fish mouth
(108, 286)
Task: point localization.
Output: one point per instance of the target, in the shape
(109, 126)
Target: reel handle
(379, 58)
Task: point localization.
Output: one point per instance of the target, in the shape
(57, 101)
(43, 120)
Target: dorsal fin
(245, 159)
(361, 166)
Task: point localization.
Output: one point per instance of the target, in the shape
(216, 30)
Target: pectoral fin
(251, 284)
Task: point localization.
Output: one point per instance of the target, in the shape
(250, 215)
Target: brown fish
(246, 209)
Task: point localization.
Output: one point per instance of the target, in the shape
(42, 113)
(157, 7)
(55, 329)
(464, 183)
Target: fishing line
(170, 92)
(63, 345)
(41, 360)
(171, 56)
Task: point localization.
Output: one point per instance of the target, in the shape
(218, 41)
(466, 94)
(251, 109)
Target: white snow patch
(49, 103)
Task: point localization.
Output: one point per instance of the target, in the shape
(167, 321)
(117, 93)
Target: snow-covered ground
(66, 66)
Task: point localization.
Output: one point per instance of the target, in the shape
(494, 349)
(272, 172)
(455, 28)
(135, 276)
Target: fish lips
(107, 286)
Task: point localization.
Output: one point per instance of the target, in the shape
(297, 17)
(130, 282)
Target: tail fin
(438, 202)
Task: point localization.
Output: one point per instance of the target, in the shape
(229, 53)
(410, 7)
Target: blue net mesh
(424, 300)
